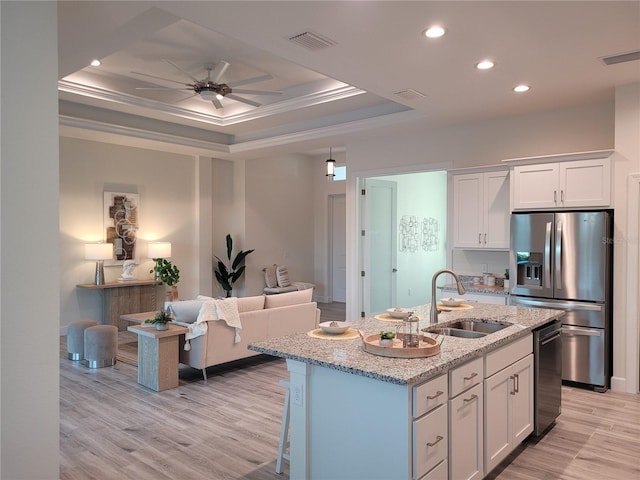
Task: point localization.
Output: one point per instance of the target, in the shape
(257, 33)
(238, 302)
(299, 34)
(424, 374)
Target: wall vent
(312, 41)
(410, 94)
(621, 58)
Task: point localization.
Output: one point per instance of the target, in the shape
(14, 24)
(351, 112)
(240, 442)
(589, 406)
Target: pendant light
(331, 167)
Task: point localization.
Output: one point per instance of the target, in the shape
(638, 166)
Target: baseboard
(619, 384)
(322, 299)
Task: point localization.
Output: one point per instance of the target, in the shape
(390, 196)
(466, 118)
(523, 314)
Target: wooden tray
(427, 348)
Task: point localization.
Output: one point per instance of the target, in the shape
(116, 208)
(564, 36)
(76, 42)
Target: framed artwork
(121, 213)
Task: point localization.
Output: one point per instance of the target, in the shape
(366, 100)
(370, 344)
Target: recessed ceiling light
(96, 63)
(485, 65)
(434, 32)
(521, 88)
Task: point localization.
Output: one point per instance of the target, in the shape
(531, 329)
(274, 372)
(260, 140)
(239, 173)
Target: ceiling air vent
(410, 94)
(621, 58)
(312, 41)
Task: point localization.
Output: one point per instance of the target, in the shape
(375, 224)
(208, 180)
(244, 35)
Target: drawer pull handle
(517, 382)
(470, 399)
(432, 444)
(433, 397)
(473, 375)
(513, 377)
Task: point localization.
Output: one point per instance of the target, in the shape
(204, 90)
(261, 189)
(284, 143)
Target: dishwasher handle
(551, 338)
(590, 332)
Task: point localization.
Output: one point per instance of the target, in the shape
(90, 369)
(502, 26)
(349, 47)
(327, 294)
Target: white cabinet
(574, 184)
(466, 421)
(508, 400)
(481, 210)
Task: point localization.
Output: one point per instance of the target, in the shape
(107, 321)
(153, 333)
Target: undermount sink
(468, 328)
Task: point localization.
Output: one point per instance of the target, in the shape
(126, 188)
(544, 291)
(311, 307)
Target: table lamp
(99, 252)
(158, 250)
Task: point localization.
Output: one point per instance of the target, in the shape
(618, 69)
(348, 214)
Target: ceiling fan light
(219, 96)
(206, 94)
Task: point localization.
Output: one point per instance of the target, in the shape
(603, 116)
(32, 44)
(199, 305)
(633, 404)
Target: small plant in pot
(506, 278)
(160, 320)
(168, 274)
(386, 339)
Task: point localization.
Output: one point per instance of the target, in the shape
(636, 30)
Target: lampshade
(331, 166)
(98, 251)
(159, 250)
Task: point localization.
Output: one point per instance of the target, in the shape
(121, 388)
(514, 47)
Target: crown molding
(284, 106)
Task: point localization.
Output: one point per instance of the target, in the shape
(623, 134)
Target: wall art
(409, 234)
(121, 213)
(430, 234)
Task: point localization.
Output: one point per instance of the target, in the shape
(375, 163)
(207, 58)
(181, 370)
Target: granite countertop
(348, 355)
(477, 288)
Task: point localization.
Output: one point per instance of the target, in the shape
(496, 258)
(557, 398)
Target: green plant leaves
(226, 276)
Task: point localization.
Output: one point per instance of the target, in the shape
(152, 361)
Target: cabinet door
(585, 183)
(496, 210)
(467, 210)
(430, 441)
(497, 432)
(535, 186)
(522, 401)
(466, 416)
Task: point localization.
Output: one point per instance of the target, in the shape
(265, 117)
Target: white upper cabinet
(481, 210)
(574, 184)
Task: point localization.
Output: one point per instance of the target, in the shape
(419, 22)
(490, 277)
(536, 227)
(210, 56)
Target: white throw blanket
(221, 309)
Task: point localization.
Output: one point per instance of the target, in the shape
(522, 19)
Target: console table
(120, 298)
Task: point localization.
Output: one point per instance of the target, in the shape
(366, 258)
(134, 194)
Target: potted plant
(506, 278)
(386, 339)
(160, 320)
(168, 274)
(227, 274)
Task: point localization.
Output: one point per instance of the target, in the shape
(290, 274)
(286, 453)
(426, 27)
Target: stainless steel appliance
(563, 260)
(547, 377)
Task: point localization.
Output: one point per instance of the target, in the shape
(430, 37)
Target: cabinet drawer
(438, 473)
(430, 441)
(465, 376)
(505, 356)
(429, 395)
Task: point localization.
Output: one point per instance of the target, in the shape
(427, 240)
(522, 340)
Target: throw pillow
(270, 278)
(249, 304)
(290, 298)
(282, 274)
(186, 310)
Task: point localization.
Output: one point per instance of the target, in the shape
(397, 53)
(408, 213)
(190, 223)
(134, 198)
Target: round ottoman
(75, 338)
(100, 346)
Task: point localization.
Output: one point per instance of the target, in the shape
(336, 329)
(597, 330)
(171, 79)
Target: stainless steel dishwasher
(547, 348)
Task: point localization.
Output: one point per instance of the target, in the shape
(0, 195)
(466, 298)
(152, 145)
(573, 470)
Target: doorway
(338, 246)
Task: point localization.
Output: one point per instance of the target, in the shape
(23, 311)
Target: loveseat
(262, 317)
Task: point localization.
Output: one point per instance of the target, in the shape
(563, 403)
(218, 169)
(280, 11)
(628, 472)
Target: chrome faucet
(434, 309)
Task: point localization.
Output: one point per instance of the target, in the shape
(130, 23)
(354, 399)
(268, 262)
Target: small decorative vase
(162, 326)
(386, 342)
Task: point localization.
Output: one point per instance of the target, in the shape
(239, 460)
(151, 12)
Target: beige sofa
(263, 317)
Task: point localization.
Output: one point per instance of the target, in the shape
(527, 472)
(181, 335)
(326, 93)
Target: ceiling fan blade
(160, 78)
(216, 103)
(255, 92)
(243, 100)
(162, 88)
(217, 72)
(181, 70)
(186, 98)
(261, 78)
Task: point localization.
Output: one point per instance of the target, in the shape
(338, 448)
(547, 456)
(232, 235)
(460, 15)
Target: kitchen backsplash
(471, 263)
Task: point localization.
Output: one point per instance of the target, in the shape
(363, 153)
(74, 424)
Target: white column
(299, 419)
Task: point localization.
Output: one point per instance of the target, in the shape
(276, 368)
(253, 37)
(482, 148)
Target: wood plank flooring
(113, 428)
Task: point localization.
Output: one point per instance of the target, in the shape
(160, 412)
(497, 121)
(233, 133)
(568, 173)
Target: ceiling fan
(211, 88)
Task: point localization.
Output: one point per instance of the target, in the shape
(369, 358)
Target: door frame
(330, 219)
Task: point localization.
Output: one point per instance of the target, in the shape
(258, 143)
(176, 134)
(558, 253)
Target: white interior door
(379, 205)
(338, 248)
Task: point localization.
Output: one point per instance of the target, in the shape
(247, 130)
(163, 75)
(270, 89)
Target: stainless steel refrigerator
(563, 260)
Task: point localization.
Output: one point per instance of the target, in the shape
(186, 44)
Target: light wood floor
(113, 428)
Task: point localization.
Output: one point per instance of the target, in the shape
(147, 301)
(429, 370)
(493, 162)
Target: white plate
(403, 313)
(341, 328)
(451, 302)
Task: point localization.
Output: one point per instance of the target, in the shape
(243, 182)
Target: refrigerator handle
(558, 262)
(547, 256)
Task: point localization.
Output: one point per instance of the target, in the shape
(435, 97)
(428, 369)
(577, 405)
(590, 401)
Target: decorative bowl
(398, 312)
(328, 328)
(452, 302)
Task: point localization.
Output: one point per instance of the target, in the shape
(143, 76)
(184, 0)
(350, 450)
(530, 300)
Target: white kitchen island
(355, 415)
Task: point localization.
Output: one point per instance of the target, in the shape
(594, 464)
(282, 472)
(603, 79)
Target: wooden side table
(158, 356)
(120, 298)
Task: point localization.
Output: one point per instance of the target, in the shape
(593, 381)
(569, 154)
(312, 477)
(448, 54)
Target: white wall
(279, 218)
(166, 183)
(29, 267)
